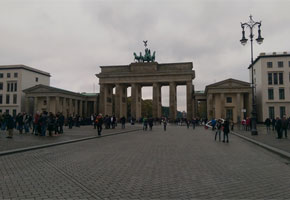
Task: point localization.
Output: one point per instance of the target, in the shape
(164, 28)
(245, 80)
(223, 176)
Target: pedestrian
(187, 123)
(70, 121)
(268, 124)
(226, 129)
(60, 123)
(150, 122)
(284, 126)
(248, 121)
(213, 122)
(35, 123)
(123, 122)
(43, 123)
(145, 124)
(10, 126)
(273, 124)
(278, 127)
(164, 121)
(100, 124)
(218, 130)
(193, 123)
(51, 124)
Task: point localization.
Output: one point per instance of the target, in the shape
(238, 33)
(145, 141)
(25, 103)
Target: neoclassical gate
(137, 75)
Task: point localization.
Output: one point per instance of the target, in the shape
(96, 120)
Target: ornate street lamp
(251, 24)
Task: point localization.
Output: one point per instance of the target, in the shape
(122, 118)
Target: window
(7, 111)
(229, 99)
(275, 78)
(270, 94)
(7, 99)
(15, 87)
(15, 75)
(280, 64)
(281, 93)
(229, 114)
(1, 84)
(1, 97)
(8, 87)
(282, 111)
(1, 75)
(36, 79)
(289, 63)
(271, 112)
(8, 75)
(269, 64)
(14, 112)
(281, 78)
(270, 78)
(14, 98)
(11, 87)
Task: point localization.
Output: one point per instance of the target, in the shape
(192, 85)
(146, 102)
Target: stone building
(229, 98)
(137, 75)
(13, 80)
(272, 81)
(51, 99)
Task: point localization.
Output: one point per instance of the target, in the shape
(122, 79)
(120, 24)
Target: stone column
(239, 115)
(209, 106)
(56, 104)
(27, 105)
(70, 106)
(35, 105)
(76, 107)
(48, 104)
(118, 100)
(136, 101)
(156, 107)
(172, 101)
(81, 108)
(222, 102)
(102, 99)
(124, 102)
(189, 99)
(86, 108)
(108, 101)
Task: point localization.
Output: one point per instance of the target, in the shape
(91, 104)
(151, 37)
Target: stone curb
(265, 146)
(2, 153)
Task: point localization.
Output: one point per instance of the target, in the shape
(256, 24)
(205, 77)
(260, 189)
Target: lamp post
(251, 24)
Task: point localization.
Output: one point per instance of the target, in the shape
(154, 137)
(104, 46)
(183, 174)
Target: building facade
(46, 98)
(13, 80)
(229, 98)
(271, 74)
(137, 75)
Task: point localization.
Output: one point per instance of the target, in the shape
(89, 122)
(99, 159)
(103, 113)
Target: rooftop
(20, 66)
(268, 55)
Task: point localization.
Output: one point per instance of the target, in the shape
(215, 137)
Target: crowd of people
(280, 125)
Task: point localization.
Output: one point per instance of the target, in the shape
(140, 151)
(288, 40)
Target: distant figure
(268, 124)
(10, 125)
(226, 126)
(123, 122)
(278, 127)
(218, 130)
(100, 124)
(164, 121)
(284, 126)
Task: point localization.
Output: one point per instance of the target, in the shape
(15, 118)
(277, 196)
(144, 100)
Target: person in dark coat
(278, 127)
(284, 126)
(100, 124)
(226, 126)
(273, 124)
(123, 122)
(218, 130)
(268, 124)
(10, 125)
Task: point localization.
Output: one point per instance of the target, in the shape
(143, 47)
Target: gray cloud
(70, 39)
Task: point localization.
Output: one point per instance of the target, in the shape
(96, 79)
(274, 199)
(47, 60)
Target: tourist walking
(268, 124)
(273, 124)
(123, 122)
(193, 123)
(284, 126)
(145, 124)
(278, 127)
(150, 122)
(99, 124)
(226, 128)
(10, 125)
(164, 121)
(218, 130)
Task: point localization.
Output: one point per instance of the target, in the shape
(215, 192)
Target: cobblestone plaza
(180, 163)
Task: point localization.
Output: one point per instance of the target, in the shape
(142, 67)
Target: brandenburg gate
(144, 72)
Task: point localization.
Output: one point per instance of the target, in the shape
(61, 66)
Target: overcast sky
(70, 39)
